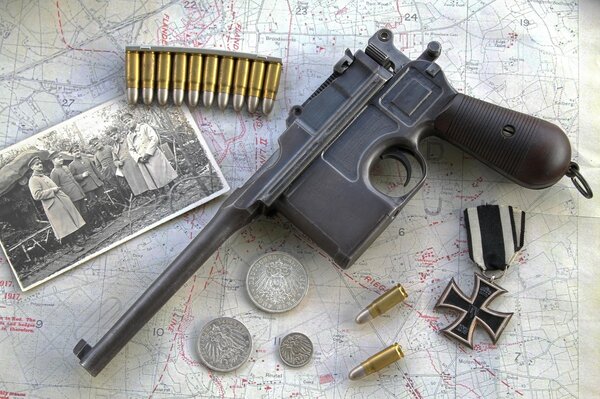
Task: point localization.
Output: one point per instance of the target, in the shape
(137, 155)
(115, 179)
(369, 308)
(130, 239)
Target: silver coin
(295, 349)
(224, 344)
(277, 282)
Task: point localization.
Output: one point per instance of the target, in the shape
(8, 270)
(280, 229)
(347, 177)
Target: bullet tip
(238, 102)
(364, 316)
(267, 105)
(193, 98)
(147, 96)
(132, 95)
(252, 104)
(207, 98)
(178, 95)
(163, 96)
(357, 373)
(223, 100)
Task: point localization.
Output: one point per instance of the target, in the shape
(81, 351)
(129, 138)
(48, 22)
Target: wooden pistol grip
(530, 151)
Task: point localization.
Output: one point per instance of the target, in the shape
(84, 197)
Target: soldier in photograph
(125, 165)
(88, 177)
(63, 178)
(143, 143)
(63, 216)
(103, 159)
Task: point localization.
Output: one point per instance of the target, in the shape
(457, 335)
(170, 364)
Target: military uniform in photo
(129, 168)
(103, 158)
(143, 143)
(60, 211)
(64, 179)
(90, 183)
(104, 162)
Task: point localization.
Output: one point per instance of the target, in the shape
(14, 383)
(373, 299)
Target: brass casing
(240, 79)
(202, 73)
(382, 359)
(210, 73)
(132, 69)
(163, 70)
(194, 72)
(388, 300)
(272, 80)
(179, 70)
(202, 51)
(226, 74)
(148, 64)
(257, 74)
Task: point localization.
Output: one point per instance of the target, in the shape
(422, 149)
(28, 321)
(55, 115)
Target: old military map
(62, 57)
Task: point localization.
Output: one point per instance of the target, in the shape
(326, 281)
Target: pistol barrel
(226, 222)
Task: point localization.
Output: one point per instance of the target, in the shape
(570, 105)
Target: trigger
(398, 154)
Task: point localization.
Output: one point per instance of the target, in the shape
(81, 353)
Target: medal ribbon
(496, 234)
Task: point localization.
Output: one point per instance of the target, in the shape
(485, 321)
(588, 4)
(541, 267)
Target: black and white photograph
(95, 181)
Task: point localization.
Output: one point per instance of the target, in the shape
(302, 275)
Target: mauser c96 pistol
(376, 104)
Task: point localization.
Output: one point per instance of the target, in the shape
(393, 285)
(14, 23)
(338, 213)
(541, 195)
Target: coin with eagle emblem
(224, 344)
(295, 349)
(277, 282)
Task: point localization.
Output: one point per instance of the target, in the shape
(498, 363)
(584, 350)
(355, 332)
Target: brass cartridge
(206, 73)
(240, 82)
(385, 302)
(210, 76)
(194, 78)
(179, 71)
(271, 85)
(378, 361)
(225, 81)
(148, 64)
(132, 75)
(163, 76)
(255, 86)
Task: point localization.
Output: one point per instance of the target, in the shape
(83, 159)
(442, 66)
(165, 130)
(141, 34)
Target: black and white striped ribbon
(495, 234)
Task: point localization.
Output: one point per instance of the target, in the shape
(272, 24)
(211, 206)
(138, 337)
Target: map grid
(64, 57)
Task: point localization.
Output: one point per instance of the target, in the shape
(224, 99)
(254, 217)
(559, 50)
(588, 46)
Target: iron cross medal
(473, 310)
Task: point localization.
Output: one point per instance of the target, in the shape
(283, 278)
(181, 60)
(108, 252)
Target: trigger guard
(398, 154)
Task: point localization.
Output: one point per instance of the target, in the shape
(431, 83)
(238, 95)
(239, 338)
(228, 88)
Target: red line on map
(287, 48)
(62, 36)
(185, 321)
(218, 383)
(490, 371)
(229, 142)
(431, 320)
(178, 333)
(209, 274)
(196, 17)
(324, 255)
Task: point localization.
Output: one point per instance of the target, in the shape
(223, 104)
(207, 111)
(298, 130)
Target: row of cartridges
(201, 73)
